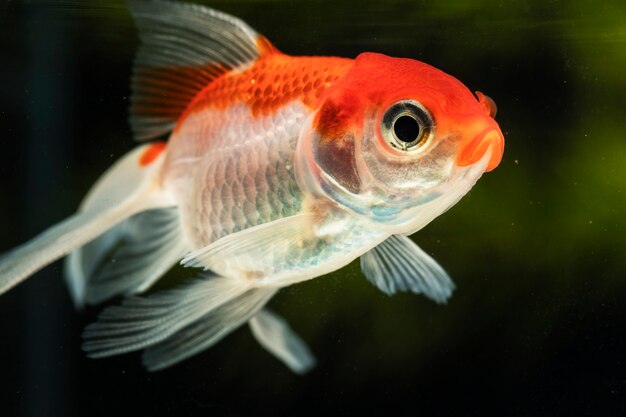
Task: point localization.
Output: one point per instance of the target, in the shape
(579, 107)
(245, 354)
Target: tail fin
(128, 187)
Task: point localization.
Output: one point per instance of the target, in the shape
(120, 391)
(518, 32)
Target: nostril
(487, 104)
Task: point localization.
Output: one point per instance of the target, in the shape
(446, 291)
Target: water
(537, 249)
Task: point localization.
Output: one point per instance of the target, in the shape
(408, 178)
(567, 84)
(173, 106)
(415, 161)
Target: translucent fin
(55, 243)
(130, 258)
(275, 335)
(143, 321)
(81, 263)
(136, 191)
(398, 264)
(132, 173)
(207, 331)
(254, 252)
(131, 177)
(184, 47)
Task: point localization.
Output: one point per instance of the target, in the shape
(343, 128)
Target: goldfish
(277, 169)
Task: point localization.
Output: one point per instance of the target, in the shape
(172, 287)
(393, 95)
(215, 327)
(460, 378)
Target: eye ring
(407, 126)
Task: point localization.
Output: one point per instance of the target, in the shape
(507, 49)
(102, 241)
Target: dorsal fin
(183, 48)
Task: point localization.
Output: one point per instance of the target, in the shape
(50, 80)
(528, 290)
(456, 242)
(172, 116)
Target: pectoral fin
(399, 265)
(257, 251)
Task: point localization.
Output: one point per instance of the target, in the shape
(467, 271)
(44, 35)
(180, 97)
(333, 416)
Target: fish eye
(406, 129)
(407, 125)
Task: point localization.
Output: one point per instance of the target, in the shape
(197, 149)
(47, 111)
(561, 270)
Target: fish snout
(490, 138)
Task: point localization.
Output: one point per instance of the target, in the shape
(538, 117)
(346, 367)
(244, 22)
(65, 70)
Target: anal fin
(275, 335)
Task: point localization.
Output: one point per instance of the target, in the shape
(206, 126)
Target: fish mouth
(490, 138)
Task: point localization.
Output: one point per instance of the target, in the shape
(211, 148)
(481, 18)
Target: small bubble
(516, 162)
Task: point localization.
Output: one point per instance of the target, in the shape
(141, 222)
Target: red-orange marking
(272, 81)
(375, 81)
(151, 153)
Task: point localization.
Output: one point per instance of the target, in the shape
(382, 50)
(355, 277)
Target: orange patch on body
(151, 153)
(271, 82)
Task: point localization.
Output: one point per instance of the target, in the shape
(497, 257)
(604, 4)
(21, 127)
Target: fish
(261, 170)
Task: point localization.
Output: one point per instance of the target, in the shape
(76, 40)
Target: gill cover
(327, 166)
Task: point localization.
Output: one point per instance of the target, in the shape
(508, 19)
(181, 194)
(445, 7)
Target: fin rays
(141, 322)
(398, 264)
(206, 331)
(184, 47)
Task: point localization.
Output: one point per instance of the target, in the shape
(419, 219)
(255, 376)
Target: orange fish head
(400, 141)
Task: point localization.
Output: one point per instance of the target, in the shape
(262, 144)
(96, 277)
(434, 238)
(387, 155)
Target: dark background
(538, 248)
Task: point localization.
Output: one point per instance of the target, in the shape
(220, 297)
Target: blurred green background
(537, 249)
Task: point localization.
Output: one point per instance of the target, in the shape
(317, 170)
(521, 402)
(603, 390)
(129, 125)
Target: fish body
(231, 165)
(278, 169)
(236, 143)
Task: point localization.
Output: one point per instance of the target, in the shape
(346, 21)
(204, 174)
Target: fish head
(399, 142)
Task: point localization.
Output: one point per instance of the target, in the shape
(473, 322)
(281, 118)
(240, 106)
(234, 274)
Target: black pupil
(406, 129)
